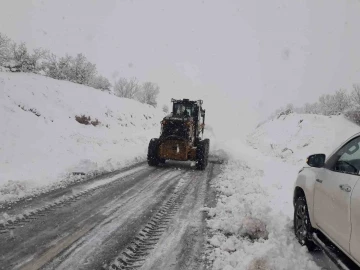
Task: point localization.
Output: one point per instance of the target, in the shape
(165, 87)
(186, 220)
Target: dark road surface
(143, 217)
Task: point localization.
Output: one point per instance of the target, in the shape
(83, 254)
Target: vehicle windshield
(182, 109)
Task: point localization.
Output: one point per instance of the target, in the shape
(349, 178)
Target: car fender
(306, 181)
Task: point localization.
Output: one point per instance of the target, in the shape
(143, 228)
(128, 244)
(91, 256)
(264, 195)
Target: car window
(347, 159)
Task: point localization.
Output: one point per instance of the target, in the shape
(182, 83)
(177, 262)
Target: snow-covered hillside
(252, 222)
(42, 144)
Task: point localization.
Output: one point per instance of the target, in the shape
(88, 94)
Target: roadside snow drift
(252, 224)
(43, 144)
(293, 137)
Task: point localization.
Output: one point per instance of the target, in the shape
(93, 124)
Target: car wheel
(302, 225)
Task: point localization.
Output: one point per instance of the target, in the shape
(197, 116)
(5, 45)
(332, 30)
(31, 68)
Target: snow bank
(248, 225)
(252, 223)
(293, 137)
(42, 144)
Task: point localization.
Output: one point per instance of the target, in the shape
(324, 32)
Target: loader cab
(187, 108)
(193, 112)
(184, 109)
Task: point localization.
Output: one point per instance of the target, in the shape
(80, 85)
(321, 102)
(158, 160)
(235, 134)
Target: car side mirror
(317, 160)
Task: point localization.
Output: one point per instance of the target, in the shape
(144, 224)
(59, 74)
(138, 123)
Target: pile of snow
(248, 226)
(252, 224)
(42, 144)
(295, 136)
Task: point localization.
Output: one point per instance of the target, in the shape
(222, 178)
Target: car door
(355, 223)
(332, 196)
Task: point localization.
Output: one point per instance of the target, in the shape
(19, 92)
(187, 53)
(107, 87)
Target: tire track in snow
(182, 244)
(135, 254)
(26, 243)
(123, 214)
(169, 230)
(22, 219)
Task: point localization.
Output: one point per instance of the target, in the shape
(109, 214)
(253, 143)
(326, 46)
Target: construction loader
(181, 136)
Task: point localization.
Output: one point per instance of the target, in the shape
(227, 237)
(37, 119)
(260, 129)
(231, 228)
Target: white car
(327, 199)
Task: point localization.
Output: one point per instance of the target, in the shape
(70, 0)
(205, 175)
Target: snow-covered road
(92, 224)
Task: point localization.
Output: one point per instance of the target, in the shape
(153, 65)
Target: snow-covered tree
(148, 94)
(355, 95)
(334, 104)
(51, 66)
(327, 104)
(100, 82)
(5, 53)
(289, 107)
(64, 68)
(21, 57)
(341, 101)
(38, 56)
(16, 57)
(127, 88)
(311, 108)
(82, 71)
(165, 108)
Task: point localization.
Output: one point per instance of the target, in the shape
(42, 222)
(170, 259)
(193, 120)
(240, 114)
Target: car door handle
(346, 188)
(319, 180)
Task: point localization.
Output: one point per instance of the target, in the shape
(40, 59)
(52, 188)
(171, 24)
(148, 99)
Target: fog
(243, 58)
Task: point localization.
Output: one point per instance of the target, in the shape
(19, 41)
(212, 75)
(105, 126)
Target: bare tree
(22, 60)
(5, 43)
(355, 95)
(64, 68)
(77, 70)
(37, 56)
(21, 57)
(148, 93)
(127, 88)
(289, 107)
(306, 108)
(82, 71)
(326, 104)
(309, 108)
(51, 66)
(341, 101)
(165, 108)
(334, 104)
(120, 87)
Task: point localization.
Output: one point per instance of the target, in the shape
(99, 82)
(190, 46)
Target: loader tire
(152, 157)
(207, 147)
(202, 152)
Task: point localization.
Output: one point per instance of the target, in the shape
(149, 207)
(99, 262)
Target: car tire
(302, 225)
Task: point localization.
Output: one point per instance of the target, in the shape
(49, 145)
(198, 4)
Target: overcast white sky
(245, 58)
